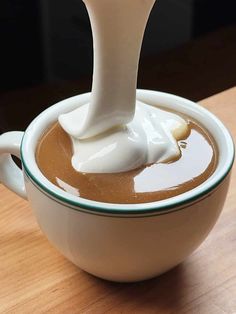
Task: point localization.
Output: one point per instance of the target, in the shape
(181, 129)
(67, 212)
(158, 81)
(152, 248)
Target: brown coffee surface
(147, 184)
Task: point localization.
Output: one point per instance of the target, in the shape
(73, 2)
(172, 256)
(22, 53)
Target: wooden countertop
(35, 278)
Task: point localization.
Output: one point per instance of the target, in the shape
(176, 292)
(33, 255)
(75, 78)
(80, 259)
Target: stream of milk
(114, 132)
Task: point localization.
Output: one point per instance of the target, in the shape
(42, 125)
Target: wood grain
(35, 278)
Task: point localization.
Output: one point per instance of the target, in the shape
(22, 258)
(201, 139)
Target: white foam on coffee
(114, 132)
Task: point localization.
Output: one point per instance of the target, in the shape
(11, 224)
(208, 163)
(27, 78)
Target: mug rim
(76, 202)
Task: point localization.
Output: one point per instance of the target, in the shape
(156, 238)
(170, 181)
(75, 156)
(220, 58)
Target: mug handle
(10, 174)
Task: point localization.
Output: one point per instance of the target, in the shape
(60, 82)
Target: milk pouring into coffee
(114, 132)
(117, 149)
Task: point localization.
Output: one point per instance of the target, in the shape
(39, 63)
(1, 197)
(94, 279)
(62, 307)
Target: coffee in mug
(148, 183)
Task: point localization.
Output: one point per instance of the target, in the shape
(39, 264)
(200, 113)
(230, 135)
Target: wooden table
(35, 278)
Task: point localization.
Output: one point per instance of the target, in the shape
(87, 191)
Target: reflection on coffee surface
(148, 183)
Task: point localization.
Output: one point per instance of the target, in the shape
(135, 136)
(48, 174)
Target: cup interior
(210, 122)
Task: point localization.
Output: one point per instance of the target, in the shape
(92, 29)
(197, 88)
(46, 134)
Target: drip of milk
(114, 132)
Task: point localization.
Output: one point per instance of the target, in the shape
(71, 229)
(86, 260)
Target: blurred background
(46, 52)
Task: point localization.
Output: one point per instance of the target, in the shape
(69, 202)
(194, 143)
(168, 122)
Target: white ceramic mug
(111, 241)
